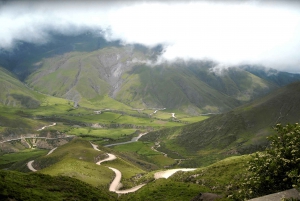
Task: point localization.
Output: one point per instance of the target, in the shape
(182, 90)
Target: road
(167, 173)
(29, 164)
(134, 139)
(116, 183)
(109, 158)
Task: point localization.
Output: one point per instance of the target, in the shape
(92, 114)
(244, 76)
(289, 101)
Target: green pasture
(85, 171)
(104, 102)
(164, 189)
(140, 148)
(8, 159)
(144, 150)
(127, 169)
(101, 133)
(193, 119)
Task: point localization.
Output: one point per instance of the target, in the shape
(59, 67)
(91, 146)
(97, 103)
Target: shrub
(275, 169)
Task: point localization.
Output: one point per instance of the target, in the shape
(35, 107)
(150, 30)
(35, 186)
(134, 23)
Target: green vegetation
(163, 189)
(88, 172)
(107, 96)
(193, 119)
(7, 160)
(241, 131)
(277, 168)
(217, 178)
(14, 93)
(20, 186)
(108, 135)
(76, 159)
(128, 170)
(144, 152)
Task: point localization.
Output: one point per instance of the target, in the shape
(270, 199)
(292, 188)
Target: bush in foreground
(277, 168)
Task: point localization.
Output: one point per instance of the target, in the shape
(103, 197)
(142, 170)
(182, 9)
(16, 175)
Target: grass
(193, 119)
(27, 187)
(217, 178)
(128, 170)
(102, 133)
(7, 160)
(104, 102)
(76, 159)
(113, 118)
(163, 189)
(137, 147)
(144, 150)
(88, 172)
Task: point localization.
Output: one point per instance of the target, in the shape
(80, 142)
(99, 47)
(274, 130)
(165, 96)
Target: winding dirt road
(134, 139)
(46, 127)
(95, 147)
(116, 183)
(167, 173)
(109, 158)
(29, 164)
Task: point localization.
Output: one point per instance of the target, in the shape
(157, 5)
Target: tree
(277, 168)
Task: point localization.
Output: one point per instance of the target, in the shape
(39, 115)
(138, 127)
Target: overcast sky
(234, 32)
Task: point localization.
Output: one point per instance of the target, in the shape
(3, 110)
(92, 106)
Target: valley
(111, 120)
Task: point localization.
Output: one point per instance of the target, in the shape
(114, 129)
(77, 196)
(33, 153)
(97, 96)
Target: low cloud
(231, 33)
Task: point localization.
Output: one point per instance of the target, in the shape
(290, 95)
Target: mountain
(15, 93)
(21, 60)
(243, 130)
(87, 68)
(130, 75)
(272, 75)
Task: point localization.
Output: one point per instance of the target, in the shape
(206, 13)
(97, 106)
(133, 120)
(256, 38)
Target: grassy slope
(76, 159)
(89, 77)
(7, 160)
(20, 186)
(235, 82)
(144, 151)
(216, 178)
(15, 93)
(242, 130)
(171, 87)
(80, 76)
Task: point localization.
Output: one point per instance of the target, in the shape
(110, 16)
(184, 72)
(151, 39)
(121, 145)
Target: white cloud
(230, 33)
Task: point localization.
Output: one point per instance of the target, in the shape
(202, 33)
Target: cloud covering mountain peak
(229, 33)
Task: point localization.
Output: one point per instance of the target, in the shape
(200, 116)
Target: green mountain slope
(234, 81)
(86, 68)
(15, 93)
(240, 131)
(173, 88)
(21, 186)
(124, 74)
(272, 75)
(75, 159)
(82, 76)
